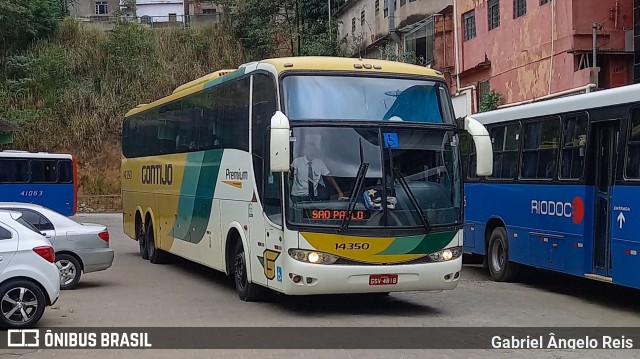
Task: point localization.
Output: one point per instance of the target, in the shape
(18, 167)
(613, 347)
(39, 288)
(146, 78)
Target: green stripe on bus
(200, 173)
(225, 78)
(419, 244)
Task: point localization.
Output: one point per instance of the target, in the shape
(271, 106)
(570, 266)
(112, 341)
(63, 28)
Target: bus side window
(573, 146)
(44, 171)
(632, 168)
(263, 107)
(65, 171)
(14, 170)
(540, 149)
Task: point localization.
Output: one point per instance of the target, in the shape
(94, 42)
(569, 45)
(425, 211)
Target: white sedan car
(29, 280)
(79, 247)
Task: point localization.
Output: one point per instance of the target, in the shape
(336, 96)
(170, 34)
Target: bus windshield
(411, 177)
(351, 98)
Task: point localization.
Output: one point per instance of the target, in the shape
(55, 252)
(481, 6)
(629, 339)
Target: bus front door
(605, 135)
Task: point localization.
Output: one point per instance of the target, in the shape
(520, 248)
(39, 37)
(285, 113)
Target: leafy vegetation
(490, 101)
(70, 93)
(285, 27)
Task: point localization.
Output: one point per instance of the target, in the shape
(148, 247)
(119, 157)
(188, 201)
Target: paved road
(137, 293)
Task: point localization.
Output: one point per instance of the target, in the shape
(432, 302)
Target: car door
(39, 222)
(8, 245)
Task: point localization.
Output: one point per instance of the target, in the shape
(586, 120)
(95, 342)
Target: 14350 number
(350, 246)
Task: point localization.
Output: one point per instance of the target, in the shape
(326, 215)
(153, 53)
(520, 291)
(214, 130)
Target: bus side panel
(625, 237)
(59, 197)
(548, 226)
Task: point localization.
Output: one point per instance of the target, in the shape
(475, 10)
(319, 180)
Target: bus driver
(308, 171)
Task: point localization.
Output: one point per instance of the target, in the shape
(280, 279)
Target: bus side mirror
(279, 156)
(484, 150)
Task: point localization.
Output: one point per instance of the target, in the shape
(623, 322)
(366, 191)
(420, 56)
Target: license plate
(383, 279)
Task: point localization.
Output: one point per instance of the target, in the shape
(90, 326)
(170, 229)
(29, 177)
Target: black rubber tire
(34, 315)
(501, 269)
(156, 255)
(248, 292)
(77, 268)
(142, 241)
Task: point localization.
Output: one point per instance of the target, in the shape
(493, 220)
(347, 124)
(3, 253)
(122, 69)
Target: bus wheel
(501, 269)
(248, 292)
(142, 241)
(156, 255)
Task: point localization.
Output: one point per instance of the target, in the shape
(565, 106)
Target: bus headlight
(312, 256)
(446, 254)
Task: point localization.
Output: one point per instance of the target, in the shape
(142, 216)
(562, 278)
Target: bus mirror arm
(279, 155)
(482, 142)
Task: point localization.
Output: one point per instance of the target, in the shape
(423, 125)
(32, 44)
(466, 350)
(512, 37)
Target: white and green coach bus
(303, 175)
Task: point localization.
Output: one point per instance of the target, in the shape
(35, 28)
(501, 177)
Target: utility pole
(595, 38)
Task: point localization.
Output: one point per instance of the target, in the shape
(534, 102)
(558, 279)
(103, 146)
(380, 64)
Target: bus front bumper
(338, 279)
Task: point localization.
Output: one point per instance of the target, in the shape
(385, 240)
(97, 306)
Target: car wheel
(22, 304)
(248, 292)
(70, 271)
(142, 241)
(501, 269)
(156, 255)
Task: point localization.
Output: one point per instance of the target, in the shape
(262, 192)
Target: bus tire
(248, 292)
(142, 241)
(501, 269)
(156, 255)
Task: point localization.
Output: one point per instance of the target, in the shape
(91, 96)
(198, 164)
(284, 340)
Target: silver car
(79, 247)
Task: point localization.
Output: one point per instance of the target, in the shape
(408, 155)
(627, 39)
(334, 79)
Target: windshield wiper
(353, 198)
(412, 199)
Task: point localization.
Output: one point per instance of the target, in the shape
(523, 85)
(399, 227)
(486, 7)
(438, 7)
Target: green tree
(24, 21)
(490, 101)
(292, 27)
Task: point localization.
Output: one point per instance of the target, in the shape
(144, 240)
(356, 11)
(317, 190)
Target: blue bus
(564, 188)
(47, 179)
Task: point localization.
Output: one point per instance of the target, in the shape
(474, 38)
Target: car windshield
(410, 178)
(351, 98)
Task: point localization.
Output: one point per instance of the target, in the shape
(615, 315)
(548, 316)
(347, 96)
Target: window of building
(102, 8)
(173, 17)
(573, 146)
(362, 18)
(403, 2)
(386, 8)
(421, 42)
(483, 89)
(632, 168)
(519, 8)
(542, 2)
(377, 7)
(353, 25)
(469, 19)
(505, 142)
(540, 149)
(493, 12)
(209, 11)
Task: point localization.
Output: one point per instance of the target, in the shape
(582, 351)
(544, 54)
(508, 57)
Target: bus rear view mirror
(279, 155)
(484, 150)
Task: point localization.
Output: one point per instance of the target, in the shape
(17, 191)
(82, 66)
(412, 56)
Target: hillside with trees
(68, 87)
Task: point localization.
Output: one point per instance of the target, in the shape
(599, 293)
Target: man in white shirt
(308, 173)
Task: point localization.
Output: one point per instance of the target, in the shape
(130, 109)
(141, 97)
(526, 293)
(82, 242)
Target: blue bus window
(14, 170)
(65, 172)
(44, 171)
